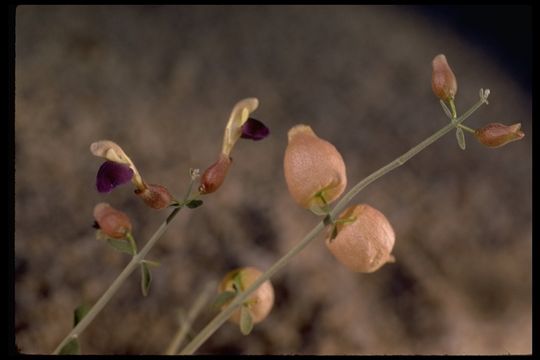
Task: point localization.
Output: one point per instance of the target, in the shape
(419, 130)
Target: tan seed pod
(313, 166)
(260, 302)
(364, 244)
(113, 223)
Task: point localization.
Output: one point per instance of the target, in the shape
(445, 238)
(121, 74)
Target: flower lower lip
(111, 175)
(254, 129)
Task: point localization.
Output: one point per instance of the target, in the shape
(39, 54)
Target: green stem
(466, 128)
(402, 159)
(215, 323)
(109, 293)
(453, 108)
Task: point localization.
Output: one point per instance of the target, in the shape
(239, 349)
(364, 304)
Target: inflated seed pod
(364, 239)
(113, 223)
(259, 303)
(313, 167)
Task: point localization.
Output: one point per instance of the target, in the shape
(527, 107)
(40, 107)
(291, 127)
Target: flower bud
(364, 243)
(155, 196)
(214, 176)
(112, 222)
(443, 80)
(313, 168)
(495, 135)
(259, 303)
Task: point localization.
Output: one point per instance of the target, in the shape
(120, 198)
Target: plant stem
(453, 108)
(466, 128)
(109, 293)
(184, 328)
(215, 323)
(402, 159)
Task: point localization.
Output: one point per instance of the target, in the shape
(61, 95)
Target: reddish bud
(214, 176)
(155, 196)
(259, 303)
(495, 135)
(112, 222)
(443, 80)
(364, 239)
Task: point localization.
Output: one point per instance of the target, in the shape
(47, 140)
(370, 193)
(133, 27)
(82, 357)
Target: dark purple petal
(254, 129)
(112, 174)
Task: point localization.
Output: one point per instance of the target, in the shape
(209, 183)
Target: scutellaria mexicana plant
(360, 236)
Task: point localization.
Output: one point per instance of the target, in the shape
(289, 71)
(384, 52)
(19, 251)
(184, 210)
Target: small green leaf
(151, 263)
(446, 110)
(71, 348)
(346, 221)
(194, 204)
(79, 313)
(223, 298)
(146, 279)
(237, 282)
(460, 138)
(246, 322)
(320, 210)
(121, 245)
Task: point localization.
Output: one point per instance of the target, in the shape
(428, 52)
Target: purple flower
(254, 129)
(111, 174)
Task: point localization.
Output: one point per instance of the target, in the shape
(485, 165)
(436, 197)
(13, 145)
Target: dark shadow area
(503, 32)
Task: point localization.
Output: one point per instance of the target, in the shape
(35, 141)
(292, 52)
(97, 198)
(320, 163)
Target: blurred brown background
(161, 81)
